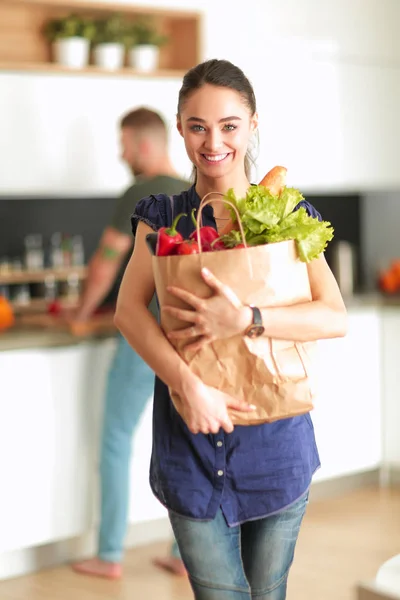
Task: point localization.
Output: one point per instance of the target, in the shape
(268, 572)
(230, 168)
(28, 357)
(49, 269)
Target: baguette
(274, 181)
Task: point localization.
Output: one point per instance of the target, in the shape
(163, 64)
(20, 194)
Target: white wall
(365, 29)
(59, 133)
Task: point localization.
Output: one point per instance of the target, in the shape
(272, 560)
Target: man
(130, 381)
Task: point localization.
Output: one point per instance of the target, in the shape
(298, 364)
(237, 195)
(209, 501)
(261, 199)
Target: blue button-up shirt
(253, 472)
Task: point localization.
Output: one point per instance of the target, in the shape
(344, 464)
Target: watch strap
(256, 328)
(257, 317)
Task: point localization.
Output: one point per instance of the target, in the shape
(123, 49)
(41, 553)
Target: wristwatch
(256, 328)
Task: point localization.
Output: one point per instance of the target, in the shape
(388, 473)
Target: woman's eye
(197, 128)
(229, 127)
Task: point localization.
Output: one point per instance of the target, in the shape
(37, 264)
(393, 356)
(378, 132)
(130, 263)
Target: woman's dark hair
(220, 73)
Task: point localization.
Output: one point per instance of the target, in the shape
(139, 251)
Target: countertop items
(41, 331)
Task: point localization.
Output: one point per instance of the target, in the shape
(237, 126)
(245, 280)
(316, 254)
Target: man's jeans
(130, 385)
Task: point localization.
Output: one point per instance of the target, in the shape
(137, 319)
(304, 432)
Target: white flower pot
(109, 56)
(72, 52)
(144, 58)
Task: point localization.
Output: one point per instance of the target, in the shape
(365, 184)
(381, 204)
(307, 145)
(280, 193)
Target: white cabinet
(391, 386)
(347, 415)
(50, 408)
(334, 125)
(300, 120)
(369, 102)
(50, 419)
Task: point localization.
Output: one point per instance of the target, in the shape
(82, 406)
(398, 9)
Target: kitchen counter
(26, 336)
(47, 331)
(372, 300)
(20, 338)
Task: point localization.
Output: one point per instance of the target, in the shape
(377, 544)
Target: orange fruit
(7, 318)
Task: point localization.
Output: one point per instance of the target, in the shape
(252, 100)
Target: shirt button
(220, 473)
(219, 444)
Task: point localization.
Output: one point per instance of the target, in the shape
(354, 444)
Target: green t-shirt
(161, 184)
(121, 219)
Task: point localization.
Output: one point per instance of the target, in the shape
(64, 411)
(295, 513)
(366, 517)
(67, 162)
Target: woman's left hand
(219, 317)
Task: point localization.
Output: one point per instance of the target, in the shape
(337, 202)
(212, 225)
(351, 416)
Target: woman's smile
(217, 158)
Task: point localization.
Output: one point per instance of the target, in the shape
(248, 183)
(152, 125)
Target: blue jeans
(130, 385)
(245, 562)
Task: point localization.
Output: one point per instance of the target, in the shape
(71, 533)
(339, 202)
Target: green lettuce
(268, 219)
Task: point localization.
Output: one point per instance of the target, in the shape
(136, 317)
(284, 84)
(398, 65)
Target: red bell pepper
(168, 238)
(217, 244)
(187, 247)
(207, 235)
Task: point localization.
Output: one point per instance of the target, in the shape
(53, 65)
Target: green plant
(69, 26)
(143, 31)
(111, 31)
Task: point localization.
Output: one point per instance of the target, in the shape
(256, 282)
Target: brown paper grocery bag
(275, 375)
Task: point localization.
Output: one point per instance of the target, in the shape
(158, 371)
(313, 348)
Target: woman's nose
(214, 141)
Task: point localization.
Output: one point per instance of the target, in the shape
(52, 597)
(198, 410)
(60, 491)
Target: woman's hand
(205, 409)
(219, 317)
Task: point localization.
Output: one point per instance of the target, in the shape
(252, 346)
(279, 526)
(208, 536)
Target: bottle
(73, 287)
(77, 251)
(56, 252)
(22, 294)
(50, 288)
(5, 265)
(34, 255)
(344, 266)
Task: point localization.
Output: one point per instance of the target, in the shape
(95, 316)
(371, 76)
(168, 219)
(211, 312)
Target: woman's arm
(223, 316)
(324, 317)
(136, 322)
(204, 409)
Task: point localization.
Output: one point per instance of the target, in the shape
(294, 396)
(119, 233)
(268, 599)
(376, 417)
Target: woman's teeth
(215, 157)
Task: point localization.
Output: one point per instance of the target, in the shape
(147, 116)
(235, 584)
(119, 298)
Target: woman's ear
(254, 122)
(179, 125)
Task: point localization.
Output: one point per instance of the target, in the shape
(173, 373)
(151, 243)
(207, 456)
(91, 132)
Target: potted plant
(144, 44)
(70, 37)
(109, 42)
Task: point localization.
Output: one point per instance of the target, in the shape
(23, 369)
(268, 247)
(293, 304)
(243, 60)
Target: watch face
(255, 331)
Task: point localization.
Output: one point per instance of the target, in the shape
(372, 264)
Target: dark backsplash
(344, 212)
(73, 216)
(20, 216)
(88, 216)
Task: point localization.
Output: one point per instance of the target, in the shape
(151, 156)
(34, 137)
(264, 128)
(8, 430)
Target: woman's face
(216, 125)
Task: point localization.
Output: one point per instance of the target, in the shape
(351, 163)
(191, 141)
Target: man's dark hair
(144, 120)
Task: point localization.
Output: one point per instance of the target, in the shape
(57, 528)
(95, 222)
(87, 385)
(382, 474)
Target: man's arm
(102, 270)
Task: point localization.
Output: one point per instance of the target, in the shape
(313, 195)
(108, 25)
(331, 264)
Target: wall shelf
(39, 306)
(23, 46)
(39, 276)
(90, 70)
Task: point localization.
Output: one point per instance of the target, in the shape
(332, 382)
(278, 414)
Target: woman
(236, 496)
